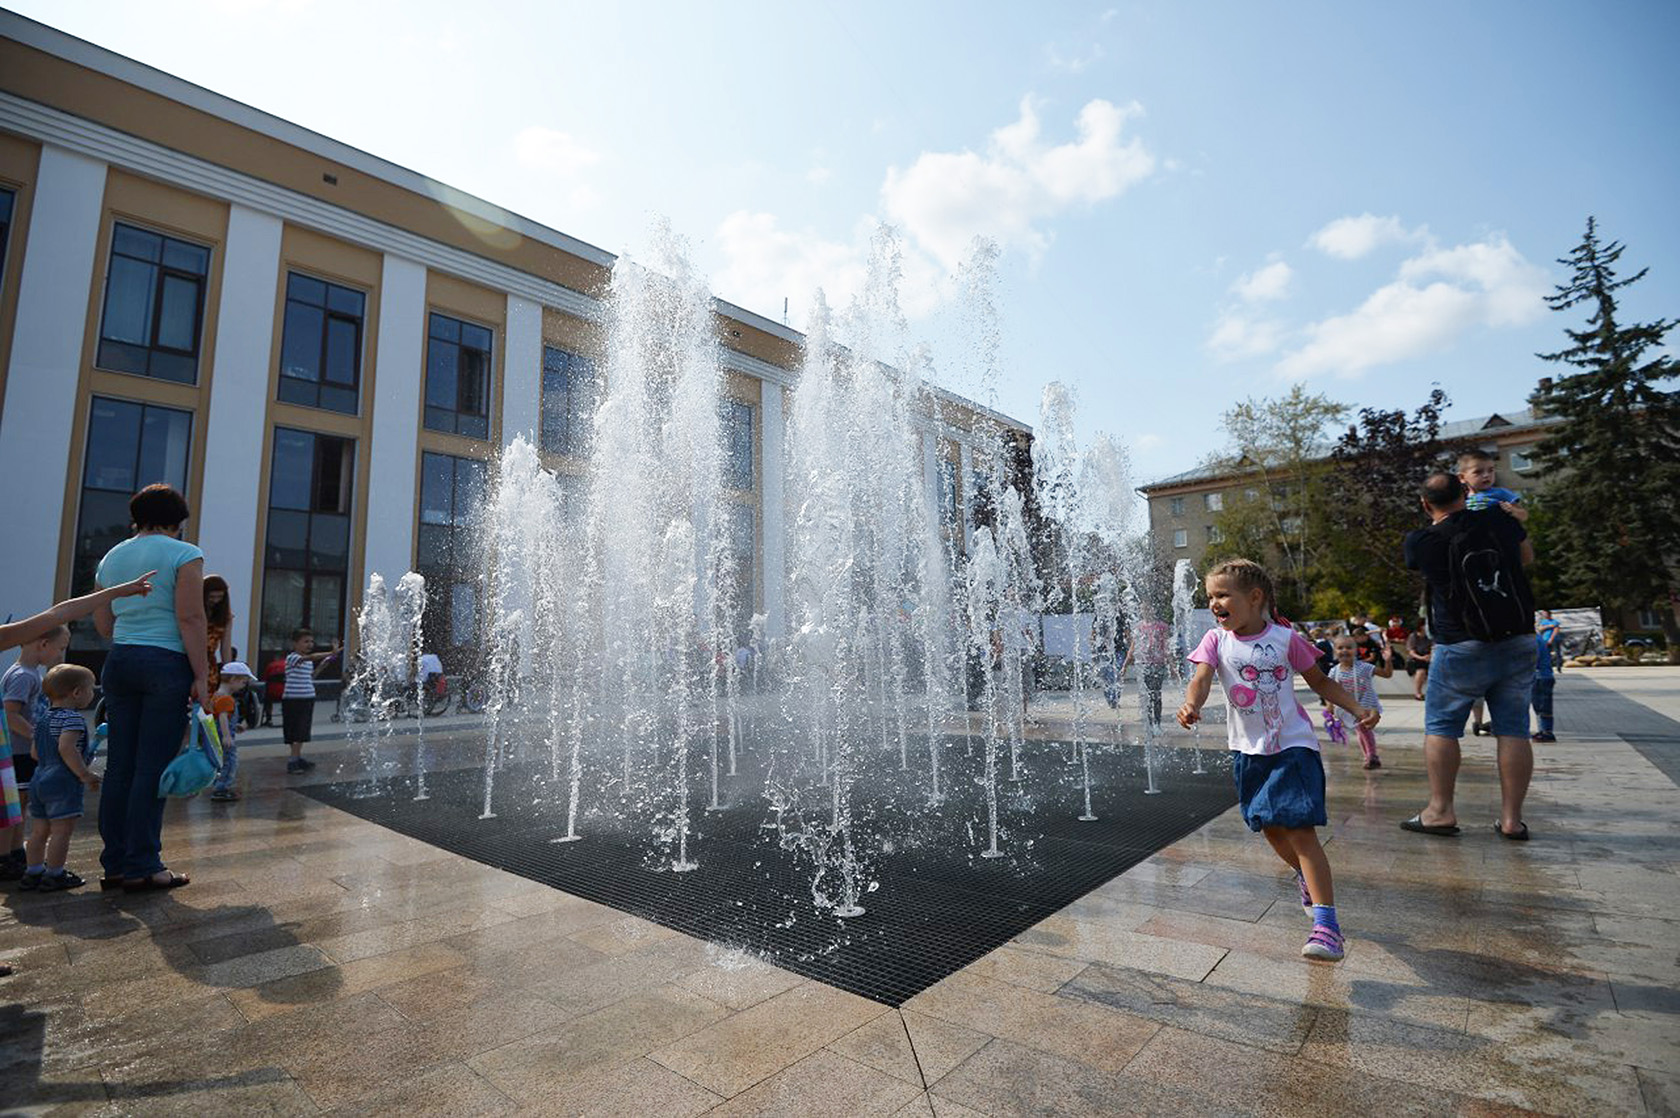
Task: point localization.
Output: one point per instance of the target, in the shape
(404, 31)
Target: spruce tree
(1613, 517)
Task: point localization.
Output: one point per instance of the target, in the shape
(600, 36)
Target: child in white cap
(223, 707)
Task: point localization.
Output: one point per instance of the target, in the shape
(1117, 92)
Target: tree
(1375, 469)
(1613, 519)
(1280, 445)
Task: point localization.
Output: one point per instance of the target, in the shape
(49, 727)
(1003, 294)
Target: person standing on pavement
(1481, 615)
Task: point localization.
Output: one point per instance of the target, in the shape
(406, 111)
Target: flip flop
(152, 884)
(1417, 826)
(1520, 836)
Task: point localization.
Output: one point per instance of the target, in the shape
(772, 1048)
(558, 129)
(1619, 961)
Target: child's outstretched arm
(1515, 509)
(1196, 696)
(1384, 664)
(33, 628)
(1331, 691)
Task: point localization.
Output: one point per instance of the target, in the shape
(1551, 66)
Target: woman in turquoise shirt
(157, 665)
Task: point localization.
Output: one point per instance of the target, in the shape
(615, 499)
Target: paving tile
(740, 1050)
(1567, 1081)
(553, 1064)
(623, 935)
(1008, 1080)
(1094, 941)
(1033, 969)
(1209, 1075)
(823, 1085)
(1275, 1025)
(446, 1091)
(1102, 1037)
(1331, 986)
(334, 982)
(738, 980)
(940, 1046)
(883, 1044)
(1660, 1090)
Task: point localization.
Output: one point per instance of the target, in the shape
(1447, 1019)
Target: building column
(522, 370)
(233, 432)
(773, 509)
(39, 417)
(393, 464)
(965, 456)
(930, 475)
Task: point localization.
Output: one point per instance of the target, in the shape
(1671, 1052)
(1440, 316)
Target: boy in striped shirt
(297, 702)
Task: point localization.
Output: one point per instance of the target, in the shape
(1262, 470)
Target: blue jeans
(1501, 672)
(230, 759)
(1542, 700)
(146, 693)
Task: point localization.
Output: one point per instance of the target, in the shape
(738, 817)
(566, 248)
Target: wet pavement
(320, 963)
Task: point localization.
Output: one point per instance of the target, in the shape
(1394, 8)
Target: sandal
(1417, 826)
(108, 883)
(1514, 836)
(152, 884)
(58, 882)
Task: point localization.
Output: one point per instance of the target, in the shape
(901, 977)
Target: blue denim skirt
(1284, 789)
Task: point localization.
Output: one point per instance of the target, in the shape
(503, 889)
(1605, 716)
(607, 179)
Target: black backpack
(1483, 590)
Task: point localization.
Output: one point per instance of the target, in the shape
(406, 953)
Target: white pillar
(522, 370)
(773, 506)
(965, 455)
(39, 417)
(930, 475)
(233, 434)
(393, 478)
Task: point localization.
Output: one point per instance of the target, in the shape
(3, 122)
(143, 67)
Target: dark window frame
(740, 472)
(292, 389)
(85, 561)
(8, 208)
(324, 515)
(459, 418)
(566, 402)
(162, 274)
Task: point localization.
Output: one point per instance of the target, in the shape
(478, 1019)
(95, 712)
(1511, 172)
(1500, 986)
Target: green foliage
(1278, 445)
(1613, 523)
(1374, 472)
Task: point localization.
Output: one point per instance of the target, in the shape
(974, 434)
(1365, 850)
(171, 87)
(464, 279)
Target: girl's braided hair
(1246, 574)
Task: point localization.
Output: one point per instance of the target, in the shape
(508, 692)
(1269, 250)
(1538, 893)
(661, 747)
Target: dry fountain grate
(937, 908)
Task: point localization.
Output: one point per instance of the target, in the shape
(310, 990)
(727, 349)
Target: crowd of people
(1481, 648)
(170, 629)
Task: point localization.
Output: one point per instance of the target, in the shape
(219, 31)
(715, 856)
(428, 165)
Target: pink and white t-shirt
(1258, 674)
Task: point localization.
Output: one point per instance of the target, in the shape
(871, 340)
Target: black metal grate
(937, 908)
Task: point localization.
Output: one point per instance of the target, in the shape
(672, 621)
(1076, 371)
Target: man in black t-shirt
(1463, 670)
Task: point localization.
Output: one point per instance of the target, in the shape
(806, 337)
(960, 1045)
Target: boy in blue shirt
(25, 705)
(1477, 469)
(63, 751)
(1541, 697)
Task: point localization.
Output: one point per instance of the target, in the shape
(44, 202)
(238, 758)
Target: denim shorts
(1499, 672)
(1284, 789)
(56, 794)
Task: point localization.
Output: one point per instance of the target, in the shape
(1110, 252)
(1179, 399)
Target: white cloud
(1349, 238)
(1266, 284)
(1439, 296)
(1237, 336)
(818, 175)
(1075, 64)
(945, 199)
(766, 263)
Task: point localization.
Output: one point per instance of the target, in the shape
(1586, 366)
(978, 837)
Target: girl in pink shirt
(1280, 779)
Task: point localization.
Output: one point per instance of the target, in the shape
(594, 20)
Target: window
(737, 422)
(1213, 502)
(154, 305)
(7, 199)
(568, 403)
(1181, 537)
(1214, 535)
(458, 377)
(1176, 505)
(321, 344)
(739, 564)
(1251, 494)
(129, 446)
(948, 508)
(1291, 525)
(451, 489)
(306, 560)
(1521, 463)
(1648, 619)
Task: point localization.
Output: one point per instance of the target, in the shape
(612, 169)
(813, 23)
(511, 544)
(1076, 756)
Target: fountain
(636, 692)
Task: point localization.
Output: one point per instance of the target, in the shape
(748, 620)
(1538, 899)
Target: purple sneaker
(1324, 943)
(1306, 896)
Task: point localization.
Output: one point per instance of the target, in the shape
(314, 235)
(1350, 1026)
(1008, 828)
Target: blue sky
(1196, 203)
